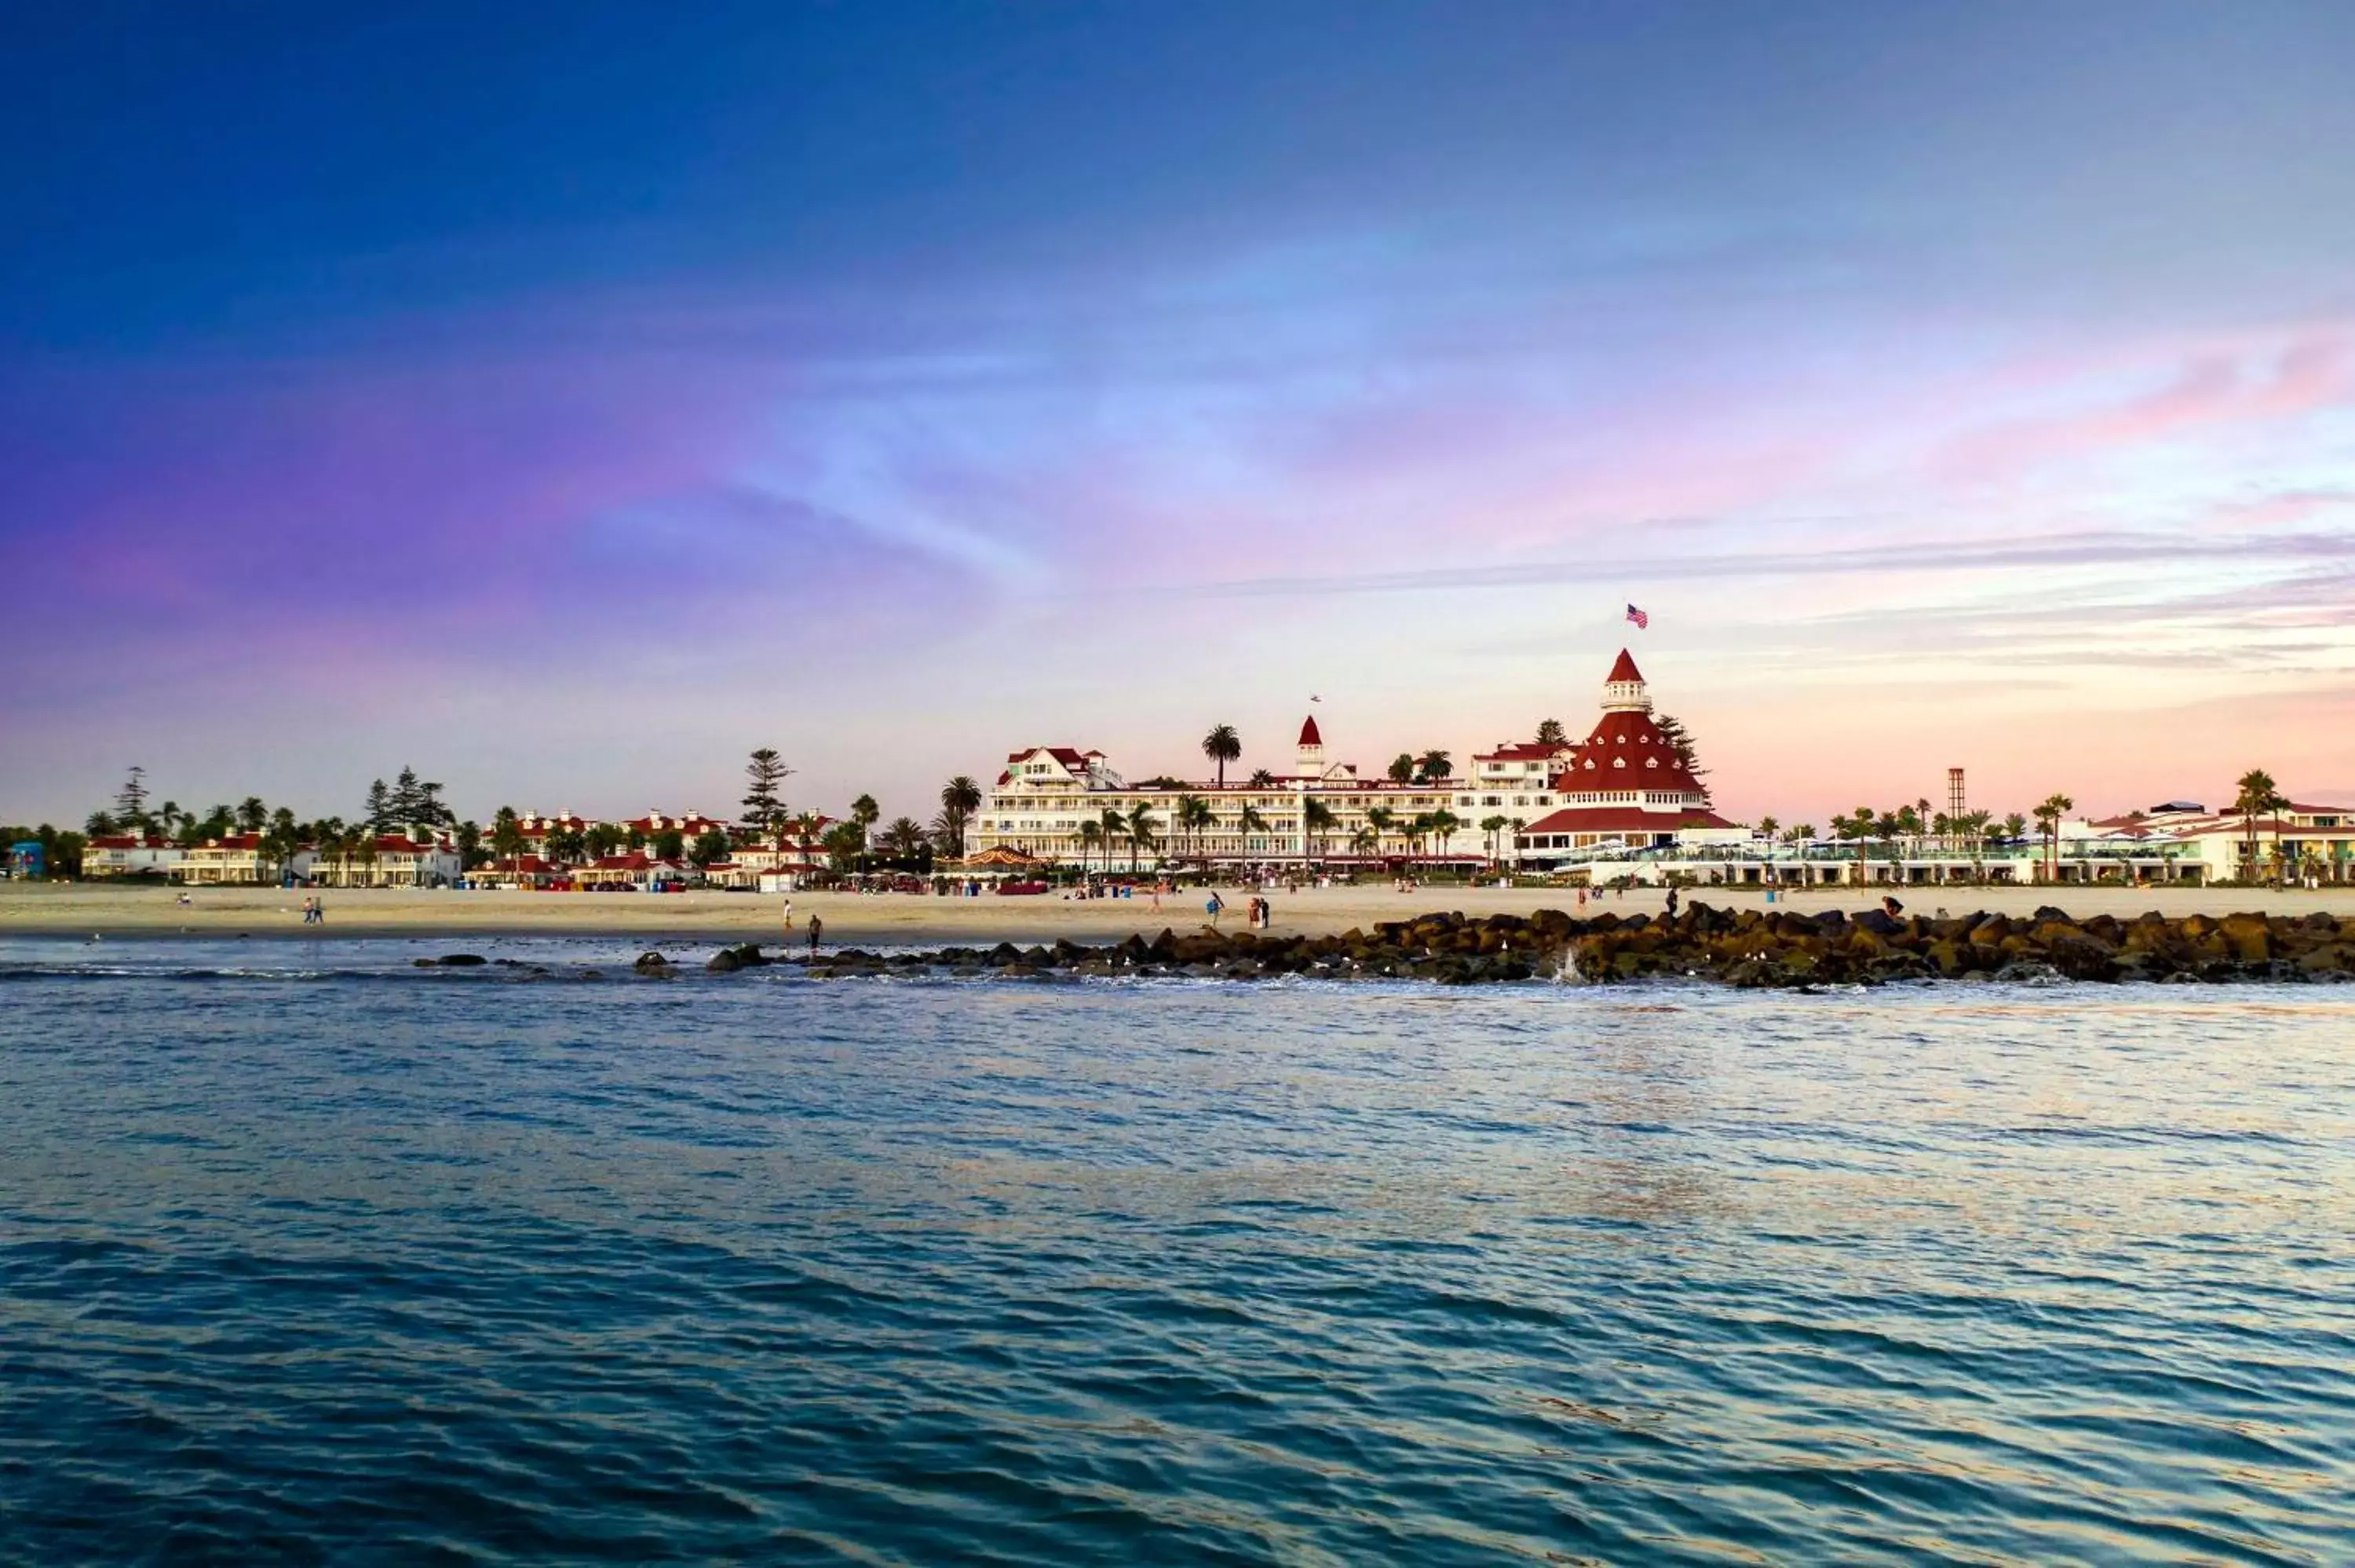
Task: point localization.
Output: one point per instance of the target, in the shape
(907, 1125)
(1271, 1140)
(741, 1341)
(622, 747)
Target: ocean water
(307, 1256)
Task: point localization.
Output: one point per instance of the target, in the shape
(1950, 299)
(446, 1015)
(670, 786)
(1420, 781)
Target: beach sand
(890, 919)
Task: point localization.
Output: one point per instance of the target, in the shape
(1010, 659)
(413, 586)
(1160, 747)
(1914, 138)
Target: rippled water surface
(307, 1256)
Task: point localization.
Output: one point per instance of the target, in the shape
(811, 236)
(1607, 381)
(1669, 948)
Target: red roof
(130, 840)
(1625, 670)
(397, 844)
(1513, 750)
(1625, 736)
(1308, 735)
(1623, 819)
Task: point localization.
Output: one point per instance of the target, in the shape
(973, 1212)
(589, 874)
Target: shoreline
(82, 910)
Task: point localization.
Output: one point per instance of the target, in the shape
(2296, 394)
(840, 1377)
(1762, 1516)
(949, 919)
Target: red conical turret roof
(1625, 670)
(1308, 735)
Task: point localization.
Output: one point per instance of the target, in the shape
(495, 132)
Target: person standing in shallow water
(817, 929)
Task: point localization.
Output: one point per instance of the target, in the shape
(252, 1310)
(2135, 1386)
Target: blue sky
(569, 402)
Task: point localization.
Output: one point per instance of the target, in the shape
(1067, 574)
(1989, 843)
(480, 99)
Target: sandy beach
(85, 909)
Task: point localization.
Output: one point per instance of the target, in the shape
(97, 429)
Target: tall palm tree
(960, 799)
(1140, 833)
(1112, 826)
(1444, 825)
(1261, 778)
(2048, 816)
(1494, 827)
(2259, 796)
(1433, 764)
(1193, 817)
(1090, 835)
(865, 812)
(1222, 746)
(1381, 819)
(1250, 823)
(1366, 843)
(1316, 824)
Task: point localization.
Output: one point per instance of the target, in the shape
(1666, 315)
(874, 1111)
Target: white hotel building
(1048, 793)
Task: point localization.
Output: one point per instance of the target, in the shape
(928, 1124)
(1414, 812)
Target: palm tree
(1140, 833)
(1090, 835)
(506, 837)
(1973, 826)
(904, 838)
(960, 799)
(1366, 843)
(1403, 768)
(1316, 823)
(1193, 817)
(1857, 826)
(1222, 746)
(2048, 816)
(1444, 823)
(1494, 828)
(2258, 797)
(865, 812)
(252, 816)
(1433, 764)
(1112, 826)
(1382, 819)
(1417, 831)
(1261, 778)
(1250, 822)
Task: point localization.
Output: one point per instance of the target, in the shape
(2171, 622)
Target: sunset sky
(569, 404)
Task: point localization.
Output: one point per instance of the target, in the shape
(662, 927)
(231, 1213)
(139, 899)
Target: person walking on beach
(817, 929)
(789, 912)
(1212, 906)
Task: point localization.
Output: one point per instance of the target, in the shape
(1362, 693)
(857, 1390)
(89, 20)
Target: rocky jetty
(1748, 948)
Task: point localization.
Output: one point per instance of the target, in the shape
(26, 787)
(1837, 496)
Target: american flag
(1642, 622)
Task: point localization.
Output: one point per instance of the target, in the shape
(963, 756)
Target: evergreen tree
(1673, 731)
(403, 801)
(1549, 733)
(430, 809)
(131, 800)
(764, 808)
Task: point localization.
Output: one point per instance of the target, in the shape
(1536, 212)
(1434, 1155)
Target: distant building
(129, 855)
(393, 860)
(240, 860)
(1047, 795)
(1624, 784)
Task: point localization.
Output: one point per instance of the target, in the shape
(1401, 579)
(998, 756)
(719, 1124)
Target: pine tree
(404, 803)
(1549, 733)
(764, 808)
(131, 800)
(1673, 731)
(377, 813)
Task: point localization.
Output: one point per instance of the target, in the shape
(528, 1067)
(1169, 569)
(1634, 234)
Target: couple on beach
(315, 911)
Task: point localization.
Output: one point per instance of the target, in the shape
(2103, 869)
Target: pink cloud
(2212, 391)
